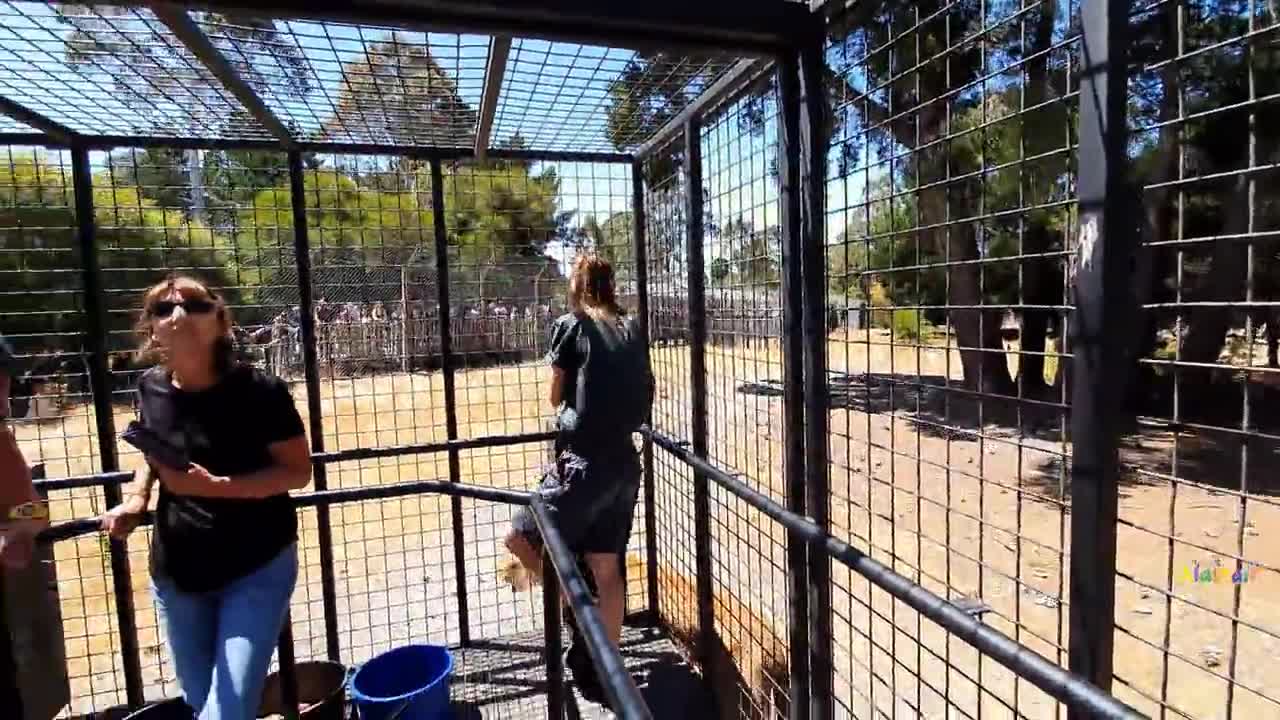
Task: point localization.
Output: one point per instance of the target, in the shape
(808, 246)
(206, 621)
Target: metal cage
(930, 289)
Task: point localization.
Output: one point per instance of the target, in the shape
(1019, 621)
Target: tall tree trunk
(1039, 274)
(1203, 342)
(1156, 264)
(977, 330)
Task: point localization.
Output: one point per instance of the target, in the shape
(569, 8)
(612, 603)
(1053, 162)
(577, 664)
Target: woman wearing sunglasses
(223, 554)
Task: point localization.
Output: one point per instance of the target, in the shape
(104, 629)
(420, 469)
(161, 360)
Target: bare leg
(608, 574)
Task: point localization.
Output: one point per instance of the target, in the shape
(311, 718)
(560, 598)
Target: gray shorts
(592, 502)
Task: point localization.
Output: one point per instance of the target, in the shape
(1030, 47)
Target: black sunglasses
(193, 306)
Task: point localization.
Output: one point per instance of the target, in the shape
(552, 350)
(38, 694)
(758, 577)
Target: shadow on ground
(505, 678)
(939, 409)
(1211, 446)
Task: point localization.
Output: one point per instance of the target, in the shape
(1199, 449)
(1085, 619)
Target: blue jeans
(221, 641)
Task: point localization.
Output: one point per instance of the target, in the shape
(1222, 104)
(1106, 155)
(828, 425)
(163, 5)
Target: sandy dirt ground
(968, 503)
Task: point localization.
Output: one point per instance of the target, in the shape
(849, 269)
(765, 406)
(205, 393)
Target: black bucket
(174, 709)
(321, 691)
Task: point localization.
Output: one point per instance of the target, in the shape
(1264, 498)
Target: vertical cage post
(552, 628)
(642, 313)
(793, 377)
(450, 393)
(698, 389)
(813, 173)
(103, 412)
(288, 671)
(1099, 274)
(315, 417)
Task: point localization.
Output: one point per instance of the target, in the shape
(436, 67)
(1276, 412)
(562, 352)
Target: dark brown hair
(224, 352)
(591, 286)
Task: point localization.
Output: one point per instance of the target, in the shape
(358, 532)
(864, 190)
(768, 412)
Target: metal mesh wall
(666, 244)
(1195, 608)
(746, 424)
(952, 201)
(743, 300)
(227, 217)
(949, 198)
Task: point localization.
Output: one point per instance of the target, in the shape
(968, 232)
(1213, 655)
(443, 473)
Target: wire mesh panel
(195, 213)
(120, 70)
(370, 230)
(949, 194)
(1196, 620)
(112, 70)
(666, 246)
(747, 425)
(358, 83)
(40, 285)
(563, 96)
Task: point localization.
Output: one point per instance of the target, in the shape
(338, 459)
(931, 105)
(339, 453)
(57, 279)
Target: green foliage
(878, 297)
(909, 325)
(611, 240)
(720, 270)
(41, 263)
(751, 257)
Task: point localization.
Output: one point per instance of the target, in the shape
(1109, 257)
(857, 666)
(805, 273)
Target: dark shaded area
(1212, 447)
(938, 409)
(507, 678)
(1206, 456)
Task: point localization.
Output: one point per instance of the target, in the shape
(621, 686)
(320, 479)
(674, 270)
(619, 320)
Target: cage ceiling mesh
(121, 71)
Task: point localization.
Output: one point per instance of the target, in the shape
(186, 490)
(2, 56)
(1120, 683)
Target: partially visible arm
(562, 358)
(556, 393)
(279, 424)
(290, 469)
(143, 491)
(17, 538)
(15, 474)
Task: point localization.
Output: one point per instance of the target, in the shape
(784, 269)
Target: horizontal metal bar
(190, 35)
(1024, 662)
(110, 142)
(421, 487)
(610, 667)
(486, 441)
(739, 76)
(84, 481)
(754, 26)
(84, 526)
(69, 529)
(31, 139)
(56, 131)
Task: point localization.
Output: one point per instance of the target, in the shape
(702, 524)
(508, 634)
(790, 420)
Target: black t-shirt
(608, 383)
(203, 544)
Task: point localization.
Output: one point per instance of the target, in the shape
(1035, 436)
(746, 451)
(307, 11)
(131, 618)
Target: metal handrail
(85, 526)
(1058, 682)
(606, 657)
(624, 696)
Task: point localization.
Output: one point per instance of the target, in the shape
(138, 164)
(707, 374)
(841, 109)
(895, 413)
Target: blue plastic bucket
(408, 683)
